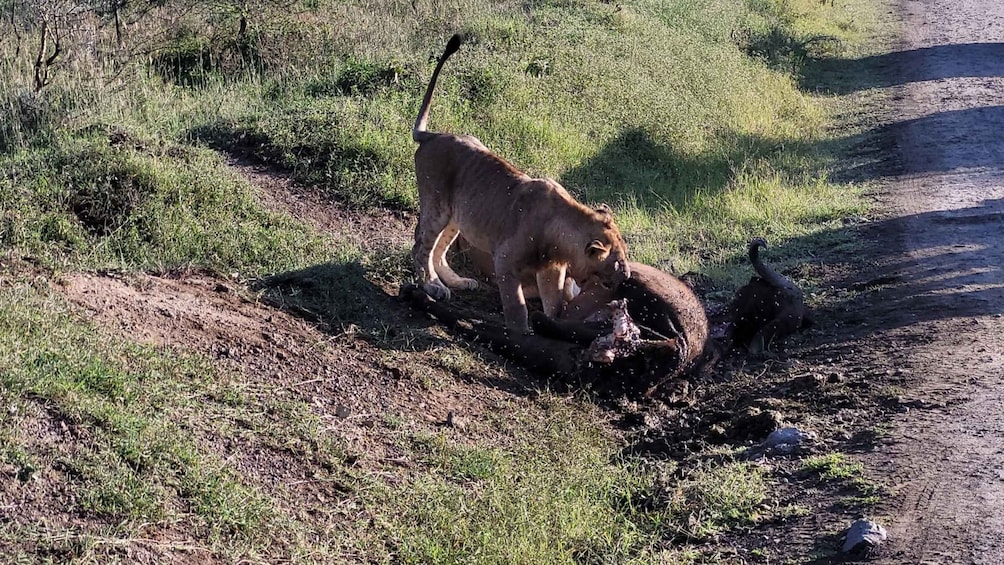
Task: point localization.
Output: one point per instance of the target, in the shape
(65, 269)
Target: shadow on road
(973, 133)
(843, 76)
(955, 279)
(934, 265)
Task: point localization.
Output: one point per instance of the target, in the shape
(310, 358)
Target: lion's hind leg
(443, 269)
(428, 233)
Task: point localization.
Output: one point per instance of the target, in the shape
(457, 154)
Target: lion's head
(605, 261)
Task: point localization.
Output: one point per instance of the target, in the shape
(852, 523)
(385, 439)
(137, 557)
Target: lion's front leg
(550, 285)
(511, 291)
(514, 305)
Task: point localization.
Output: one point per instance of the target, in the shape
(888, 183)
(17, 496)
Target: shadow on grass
(343, 168)
(636, 167)
(232, 139)
(340, 298)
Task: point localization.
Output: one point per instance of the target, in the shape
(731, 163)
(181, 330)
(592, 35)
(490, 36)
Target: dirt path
(941, 325)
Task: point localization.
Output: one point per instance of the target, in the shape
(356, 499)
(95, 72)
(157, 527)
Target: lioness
(532, 228)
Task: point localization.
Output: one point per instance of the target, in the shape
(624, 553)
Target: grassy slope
(654, 106)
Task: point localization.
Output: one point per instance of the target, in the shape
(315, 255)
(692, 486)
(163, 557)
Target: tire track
(946, 464)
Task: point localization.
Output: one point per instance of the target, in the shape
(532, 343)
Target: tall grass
(103, 197)
(678, 113)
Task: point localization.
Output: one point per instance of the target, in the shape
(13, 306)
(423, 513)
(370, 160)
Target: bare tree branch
(40, 70)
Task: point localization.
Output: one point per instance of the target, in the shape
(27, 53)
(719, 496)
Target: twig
(307, 382)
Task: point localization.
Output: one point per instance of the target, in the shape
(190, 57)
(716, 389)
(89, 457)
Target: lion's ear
(606, 212)
(596, 249)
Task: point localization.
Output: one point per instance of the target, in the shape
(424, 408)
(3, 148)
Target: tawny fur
(532, 228)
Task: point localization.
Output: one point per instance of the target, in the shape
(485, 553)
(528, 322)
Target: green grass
(833, 466)
(506, 504)
(684, 115)
(136, 462)
(103, 197)
(838, 469)
(718, 498)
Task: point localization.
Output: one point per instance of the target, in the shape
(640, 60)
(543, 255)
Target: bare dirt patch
(195, 312)
(372, 230)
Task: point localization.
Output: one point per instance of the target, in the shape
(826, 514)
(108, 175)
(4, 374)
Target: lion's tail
(420, 134)
(775, 279)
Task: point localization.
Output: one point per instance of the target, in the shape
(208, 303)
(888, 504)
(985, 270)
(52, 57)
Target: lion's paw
(437, 291)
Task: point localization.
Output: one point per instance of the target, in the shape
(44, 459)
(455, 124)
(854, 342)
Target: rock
(454, 422)
(753, 424)
(791, 437)
(342, 411)
(783, 449)
(862, 536)
(783, 441)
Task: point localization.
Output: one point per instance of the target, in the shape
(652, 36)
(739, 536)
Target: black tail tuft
(453, 44)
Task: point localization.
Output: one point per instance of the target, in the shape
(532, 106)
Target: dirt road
(941, 324)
